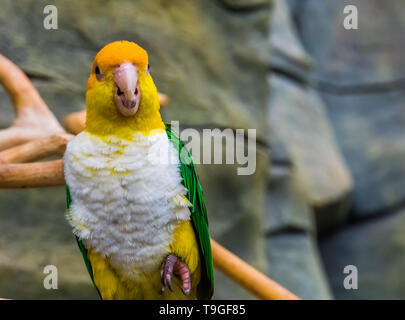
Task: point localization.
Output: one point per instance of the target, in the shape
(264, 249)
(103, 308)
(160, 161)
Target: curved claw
(173, 265)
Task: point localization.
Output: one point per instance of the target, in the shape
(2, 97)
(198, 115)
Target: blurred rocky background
(329, 186)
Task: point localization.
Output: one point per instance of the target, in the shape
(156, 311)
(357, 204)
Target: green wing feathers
(198, 214)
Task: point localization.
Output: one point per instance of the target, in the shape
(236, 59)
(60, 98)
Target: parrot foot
(173, 265)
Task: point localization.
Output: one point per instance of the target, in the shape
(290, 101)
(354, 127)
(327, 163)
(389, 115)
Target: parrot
(140, 223)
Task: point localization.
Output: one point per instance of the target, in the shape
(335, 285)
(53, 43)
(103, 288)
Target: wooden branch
(32, 175)
(248, 277)
(75, 122)
(33, 118)
(19, 87)
(36, 150)
(163, 100)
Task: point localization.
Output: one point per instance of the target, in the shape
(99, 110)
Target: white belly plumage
(126, 197)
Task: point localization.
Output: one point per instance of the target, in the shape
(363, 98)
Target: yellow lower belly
(112, 285)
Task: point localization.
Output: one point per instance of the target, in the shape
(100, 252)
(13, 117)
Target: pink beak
(127, 95)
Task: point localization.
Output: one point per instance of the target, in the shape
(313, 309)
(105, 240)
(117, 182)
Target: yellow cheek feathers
(103, 118)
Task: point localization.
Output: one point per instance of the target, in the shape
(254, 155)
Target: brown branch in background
(36, 150)
(75, 122)
(163, 100)
(248, 277)
(32, 175)
(33, 118)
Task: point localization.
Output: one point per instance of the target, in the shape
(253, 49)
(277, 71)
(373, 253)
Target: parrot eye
(99, 75)
(147, 69)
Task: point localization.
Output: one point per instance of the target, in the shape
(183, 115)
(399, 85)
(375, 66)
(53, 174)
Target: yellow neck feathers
(104, 120)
